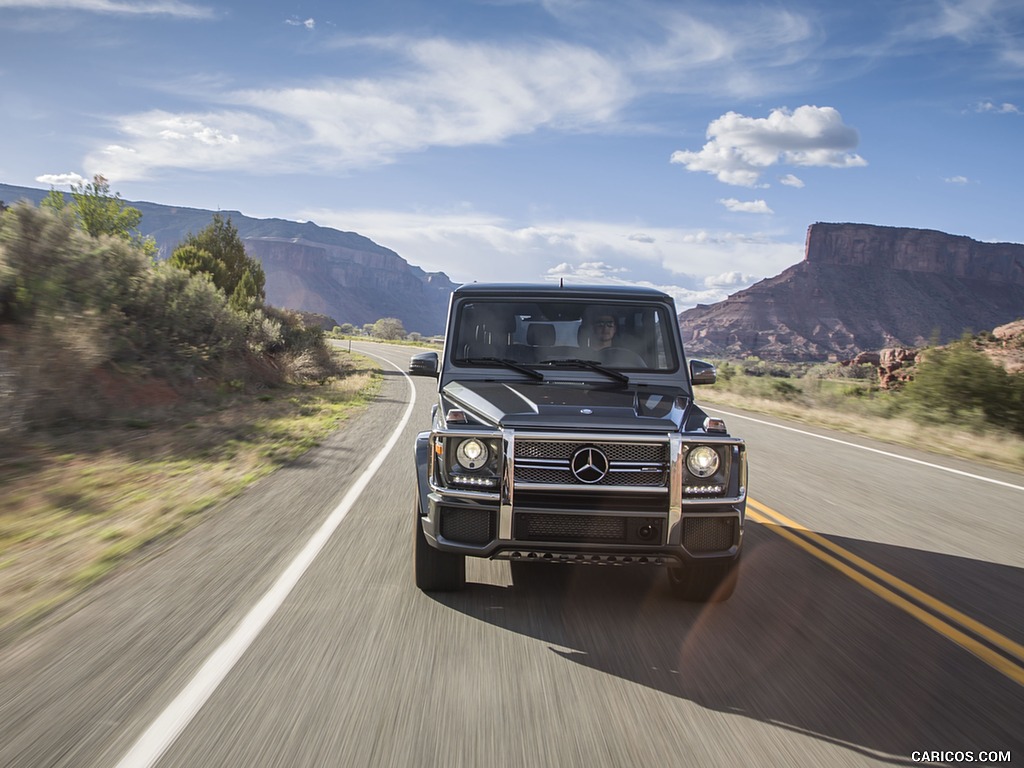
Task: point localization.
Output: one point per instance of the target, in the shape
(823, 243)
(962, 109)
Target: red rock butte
(862, 287)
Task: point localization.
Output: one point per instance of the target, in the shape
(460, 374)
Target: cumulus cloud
(61, 179)
(308, 23)
(958, 180)
(739, 148)
(451, 94)
(746, 206)
(790, 180)
(126, 7)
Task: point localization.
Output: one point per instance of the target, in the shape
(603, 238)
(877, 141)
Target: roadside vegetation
(956, 399)
(136, 394)
(387, 329)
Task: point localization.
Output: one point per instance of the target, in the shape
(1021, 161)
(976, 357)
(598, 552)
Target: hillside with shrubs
(966, 396)
(93, 329)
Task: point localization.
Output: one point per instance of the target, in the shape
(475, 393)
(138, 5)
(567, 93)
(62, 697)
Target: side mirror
(702, 373)
(424, 364)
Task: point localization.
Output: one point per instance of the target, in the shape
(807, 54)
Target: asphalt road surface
(879, 616)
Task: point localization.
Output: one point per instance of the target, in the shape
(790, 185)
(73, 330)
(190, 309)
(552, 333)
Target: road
(880, 613)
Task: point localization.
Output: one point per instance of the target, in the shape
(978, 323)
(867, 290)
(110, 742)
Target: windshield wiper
(505, 362)
(582, 363)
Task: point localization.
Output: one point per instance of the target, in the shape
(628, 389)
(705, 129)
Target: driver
(603, 328)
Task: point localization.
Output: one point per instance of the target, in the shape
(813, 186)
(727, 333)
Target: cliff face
(914, 250)
(351, 285)
(862, 288)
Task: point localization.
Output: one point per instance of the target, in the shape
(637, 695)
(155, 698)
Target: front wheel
(705, 582)
(436, 571)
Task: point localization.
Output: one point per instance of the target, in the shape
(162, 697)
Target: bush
(957, 382)
(180, 326)
(80, 315)
(49, 269)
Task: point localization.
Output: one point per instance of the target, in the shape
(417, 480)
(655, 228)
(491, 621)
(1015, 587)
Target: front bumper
(617, 524)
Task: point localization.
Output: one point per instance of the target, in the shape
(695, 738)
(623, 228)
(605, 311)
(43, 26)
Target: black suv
(565, 432)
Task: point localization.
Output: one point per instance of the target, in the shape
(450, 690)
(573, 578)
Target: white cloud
(452, 95)
(749, 206)
(467, 245)
(734, 279)
(308, 23)
(957, 180)
(226, 140)
(740, 148)
(151, 7)
(964, 20)
(1002, 109)
(61, 179)
(790, 180)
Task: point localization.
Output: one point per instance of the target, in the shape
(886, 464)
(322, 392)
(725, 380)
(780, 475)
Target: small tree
(219, 252)
(389, 328)
(99, 212)
(194, 259)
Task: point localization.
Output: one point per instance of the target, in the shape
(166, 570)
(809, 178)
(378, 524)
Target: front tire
(436, 571)
(705, 582)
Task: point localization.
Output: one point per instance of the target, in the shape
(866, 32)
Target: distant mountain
(862, 288)
(309, 268)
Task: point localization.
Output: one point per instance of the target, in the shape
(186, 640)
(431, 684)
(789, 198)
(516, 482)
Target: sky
(676, 144)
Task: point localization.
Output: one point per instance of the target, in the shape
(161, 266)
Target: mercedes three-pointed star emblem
(589, 464)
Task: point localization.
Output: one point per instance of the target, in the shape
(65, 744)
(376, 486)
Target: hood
(569, 406)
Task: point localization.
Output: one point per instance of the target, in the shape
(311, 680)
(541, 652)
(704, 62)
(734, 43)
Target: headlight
(472, 454)
(702, 461)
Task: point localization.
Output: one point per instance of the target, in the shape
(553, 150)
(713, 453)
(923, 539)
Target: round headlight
(471, 453)
(702, 461)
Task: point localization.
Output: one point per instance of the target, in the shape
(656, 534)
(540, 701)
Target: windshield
(563, 334)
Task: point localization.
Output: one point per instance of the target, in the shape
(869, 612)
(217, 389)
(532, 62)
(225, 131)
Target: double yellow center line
(966, 632)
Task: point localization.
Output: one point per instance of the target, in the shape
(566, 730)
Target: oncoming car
(565, 431)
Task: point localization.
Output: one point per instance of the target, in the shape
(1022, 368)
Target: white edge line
(708, 407)
(163, 732)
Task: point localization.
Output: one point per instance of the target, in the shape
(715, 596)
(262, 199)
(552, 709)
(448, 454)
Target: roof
(548, 291)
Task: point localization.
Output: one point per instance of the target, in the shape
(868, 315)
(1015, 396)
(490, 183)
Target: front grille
(709, 534)
(469, 526)
(561, 449)
(570, 528)
(548, 462)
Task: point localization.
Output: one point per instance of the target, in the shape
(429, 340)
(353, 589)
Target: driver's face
(604, 328)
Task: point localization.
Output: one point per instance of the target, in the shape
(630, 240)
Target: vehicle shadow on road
(799, 646)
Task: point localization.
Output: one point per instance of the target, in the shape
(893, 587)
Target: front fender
(421, 452)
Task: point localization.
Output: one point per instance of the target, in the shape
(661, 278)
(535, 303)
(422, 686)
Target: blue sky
(683, 145)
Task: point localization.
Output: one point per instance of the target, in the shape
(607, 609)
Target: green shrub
(179, 325)
(961, 383)
(785, 390)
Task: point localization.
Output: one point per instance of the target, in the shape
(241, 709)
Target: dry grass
(997, 449)
(76, 504)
